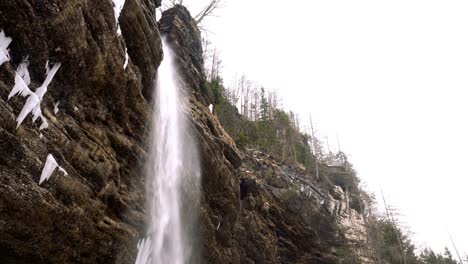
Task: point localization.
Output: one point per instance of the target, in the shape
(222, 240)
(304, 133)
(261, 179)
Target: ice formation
(126, 59)
(4, 43)
(33, 102)
(56, 109)
(23, 71)
(144, 251)
(49, 167)
(211, 108)
(118, 6)
(22, 80)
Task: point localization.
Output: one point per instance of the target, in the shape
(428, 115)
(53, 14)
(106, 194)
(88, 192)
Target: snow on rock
(49, 167)
(118, 6)
(211, 108)
(126, 59)
(144, 251)
(4, 43)
(33, 103)
(56, 109)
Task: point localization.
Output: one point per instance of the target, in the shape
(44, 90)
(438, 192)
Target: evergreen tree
(263, 105)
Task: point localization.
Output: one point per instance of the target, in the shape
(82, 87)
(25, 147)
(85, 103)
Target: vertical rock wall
(93, 214)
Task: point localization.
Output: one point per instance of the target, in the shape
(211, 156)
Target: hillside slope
(254, 209)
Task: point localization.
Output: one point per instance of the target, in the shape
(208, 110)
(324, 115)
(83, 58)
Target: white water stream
(173, 175)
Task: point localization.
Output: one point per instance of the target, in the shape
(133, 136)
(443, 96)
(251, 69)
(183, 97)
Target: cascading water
(174, 173)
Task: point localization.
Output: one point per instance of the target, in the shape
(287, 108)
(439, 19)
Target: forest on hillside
(255, 118)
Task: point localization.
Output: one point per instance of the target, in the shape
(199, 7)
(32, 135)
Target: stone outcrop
(254, 209)
(182, 33)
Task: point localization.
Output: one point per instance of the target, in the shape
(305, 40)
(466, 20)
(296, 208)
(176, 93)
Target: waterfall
(173, 174)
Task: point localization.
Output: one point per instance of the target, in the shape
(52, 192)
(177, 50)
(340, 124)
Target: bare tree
(254, 105)
(314, 148)
(246, 90)
(208, 10)
(212, 61)
(233, 93)
(166, 4)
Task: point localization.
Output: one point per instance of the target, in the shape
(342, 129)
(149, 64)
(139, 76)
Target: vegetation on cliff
(253, 117)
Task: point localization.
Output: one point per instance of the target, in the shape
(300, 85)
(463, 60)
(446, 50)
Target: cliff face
(256, 209)
(253, 210)
(98, 136)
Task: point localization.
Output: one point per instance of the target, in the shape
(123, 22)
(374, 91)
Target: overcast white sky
(390, 77)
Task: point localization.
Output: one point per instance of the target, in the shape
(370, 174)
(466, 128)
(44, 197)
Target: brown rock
(95, 213)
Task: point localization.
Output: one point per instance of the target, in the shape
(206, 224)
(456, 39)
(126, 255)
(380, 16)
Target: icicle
(47, 68)
(126, 59)
(49, 167)
(21, 87)
(4, 43)
(56, 109)
(50, 75)
(33, 103)
(44, 124)
(23, 72)
(63, 171)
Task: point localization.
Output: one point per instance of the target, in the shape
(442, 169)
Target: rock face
(182, 32)
(253, 210)
(98, 136)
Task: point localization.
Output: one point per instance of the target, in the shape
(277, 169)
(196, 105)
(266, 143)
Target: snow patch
(144, 251)
(126, 59)
(41, 136)
(4, 43)
(49, 167)
(118, 6)
(211, 108)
